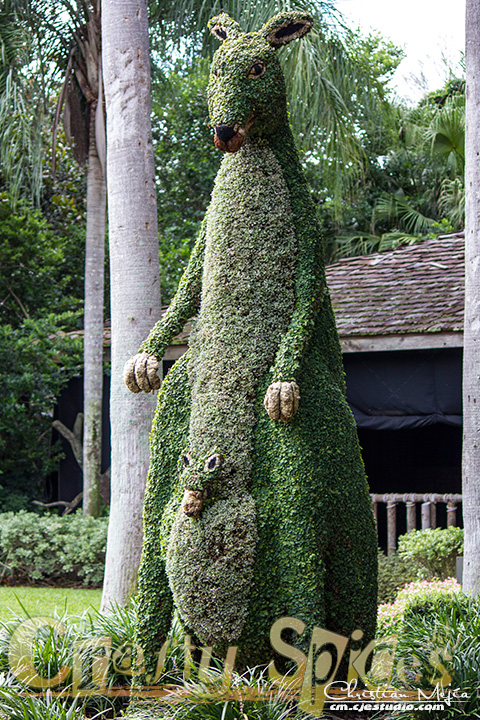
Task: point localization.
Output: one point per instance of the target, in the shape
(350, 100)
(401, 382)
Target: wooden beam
(409, 341)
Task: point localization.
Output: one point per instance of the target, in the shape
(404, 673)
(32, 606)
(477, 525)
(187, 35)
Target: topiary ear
(287, 26)
(223, 27)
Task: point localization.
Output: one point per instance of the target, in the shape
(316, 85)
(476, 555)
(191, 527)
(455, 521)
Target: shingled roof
(415, 290)
(408, 298)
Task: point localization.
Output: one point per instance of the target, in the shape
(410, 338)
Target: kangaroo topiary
(257, 505)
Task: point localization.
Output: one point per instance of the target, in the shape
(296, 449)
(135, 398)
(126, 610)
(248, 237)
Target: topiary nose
(224, 132)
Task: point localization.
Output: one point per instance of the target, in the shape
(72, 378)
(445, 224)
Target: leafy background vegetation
(381, 173)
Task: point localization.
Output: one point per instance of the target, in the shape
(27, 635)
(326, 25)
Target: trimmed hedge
(68, 549)
(433, 551)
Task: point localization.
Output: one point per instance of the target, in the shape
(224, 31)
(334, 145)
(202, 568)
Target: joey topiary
(256, 505)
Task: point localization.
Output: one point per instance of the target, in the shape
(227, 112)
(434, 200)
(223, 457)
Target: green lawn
(44, 602)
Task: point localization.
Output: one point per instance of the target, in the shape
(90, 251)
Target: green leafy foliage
(412, 185)
(35, 275)
(186, 164)
(37, 359)
(49, 547)
(434, 551)
(393, 573)
(40, 301)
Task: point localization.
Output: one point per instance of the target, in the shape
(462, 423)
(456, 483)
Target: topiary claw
(281, 400)
(140, 373)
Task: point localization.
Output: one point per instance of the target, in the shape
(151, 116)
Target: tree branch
(69, 506)
(15, 297)
(74, 437)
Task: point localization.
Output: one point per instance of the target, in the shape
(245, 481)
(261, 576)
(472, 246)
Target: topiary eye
(216, 72)
(212, 462)
(257, 70)
(186, 460)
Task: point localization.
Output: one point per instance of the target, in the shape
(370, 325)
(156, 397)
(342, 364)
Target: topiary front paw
(140, 373)
(281, 400)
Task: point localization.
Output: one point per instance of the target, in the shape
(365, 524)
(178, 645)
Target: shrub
(435, 551)
(36, 547)
(393, 573)
(390, 615)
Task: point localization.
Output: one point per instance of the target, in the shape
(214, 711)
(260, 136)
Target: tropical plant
(26, 81)
(436, 133)
(64, 37)
(415, 188)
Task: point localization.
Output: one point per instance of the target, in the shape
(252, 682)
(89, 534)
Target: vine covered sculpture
(257, 505)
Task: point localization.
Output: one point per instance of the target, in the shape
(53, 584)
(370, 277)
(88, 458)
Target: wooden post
(392, 526)
(411, 514)
(426, 520)
(451, 514)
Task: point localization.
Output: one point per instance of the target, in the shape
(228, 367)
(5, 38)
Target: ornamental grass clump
(438, 653)
(81, 658)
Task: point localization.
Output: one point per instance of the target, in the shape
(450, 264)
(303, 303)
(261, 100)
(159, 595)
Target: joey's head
(198, 478)
(246, 89)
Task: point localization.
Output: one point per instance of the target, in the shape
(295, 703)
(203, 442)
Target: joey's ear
(223, 27)
(213, 462)
(286, 26)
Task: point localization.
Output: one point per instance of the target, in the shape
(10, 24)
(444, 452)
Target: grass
(46, 602)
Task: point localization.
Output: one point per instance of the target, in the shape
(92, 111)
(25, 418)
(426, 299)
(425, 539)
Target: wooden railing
(428, 502)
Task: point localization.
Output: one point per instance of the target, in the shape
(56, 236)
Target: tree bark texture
(471, 366)
(93, 338)
(135, 289)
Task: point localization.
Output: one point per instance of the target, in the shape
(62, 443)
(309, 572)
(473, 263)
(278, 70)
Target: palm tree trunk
(93, 339)
(471, 363)
(135, 288)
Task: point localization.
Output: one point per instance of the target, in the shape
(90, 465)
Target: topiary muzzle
(199, 476)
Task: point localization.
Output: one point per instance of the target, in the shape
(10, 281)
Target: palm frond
(447, 133)
(392, 240)
(391, 207)
(451, 201)
(353, 244)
